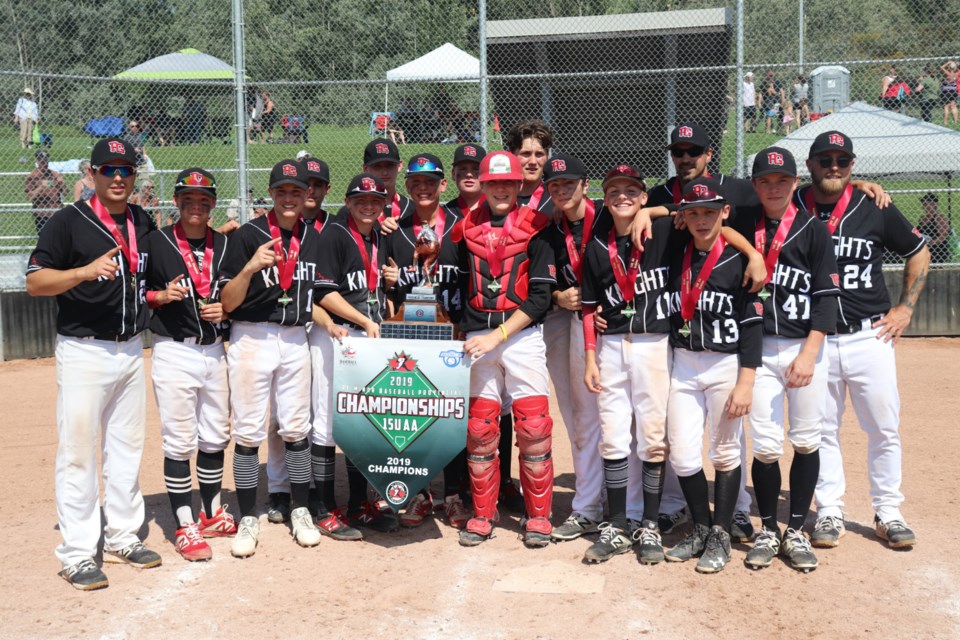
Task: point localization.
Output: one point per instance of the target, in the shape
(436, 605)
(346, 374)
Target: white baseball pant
(516, 368)
(867, 367)
(193, 397)
(101, 400)
(265, 360)
(805, 405)
(566, 362)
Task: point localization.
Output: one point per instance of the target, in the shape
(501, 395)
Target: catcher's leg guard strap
(484, 482)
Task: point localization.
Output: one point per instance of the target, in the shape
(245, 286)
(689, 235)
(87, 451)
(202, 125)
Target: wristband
(503, 330)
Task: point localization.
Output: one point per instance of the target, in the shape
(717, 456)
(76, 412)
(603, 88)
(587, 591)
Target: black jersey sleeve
(331, 262)
(54, 244)
(899, 235)
(543, 276)
(826, 280)
(750, 345)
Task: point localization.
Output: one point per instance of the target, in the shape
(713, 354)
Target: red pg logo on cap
(314, 166)
(421, 161)
(700, 190)
(368, 184)
(470, 151)
(559, 165)
(196, 178)
(117, 147)
(382, 148)
(289, 170)
(685, 132)
(775, 158)
(836, 139)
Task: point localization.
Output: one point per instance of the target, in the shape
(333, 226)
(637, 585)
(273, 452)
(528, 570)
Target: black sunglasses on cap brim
(692, 152)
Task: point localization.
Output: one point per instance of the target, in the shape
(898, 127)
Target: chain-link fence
(610, 77)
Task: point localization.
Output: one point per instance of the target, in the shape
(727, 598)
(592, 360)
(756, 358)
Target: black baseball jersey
(738, 192)
(566, 278)
(651, 299)
(263, 300)
(400, 245)
(544, 205)
(342, 270)
(323, 216)
(728, 318)
(864, 232)
(181, 319)
(102, 308)
(802, 293)
(404, 203)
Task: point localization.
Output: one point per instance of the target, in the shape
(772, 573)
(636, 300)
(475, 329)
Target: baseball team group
(660, 314)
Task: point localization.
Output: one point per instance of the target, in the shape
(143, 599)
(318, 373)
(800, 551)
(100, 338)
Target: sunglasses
(827, 161)
(702, 195)
(422, 165)
(197, 179)
(692, 152)
(114, 170)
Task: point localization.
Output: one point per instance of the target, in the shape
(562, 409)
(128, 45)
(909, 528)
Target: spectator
(136, 136)
(146, 198)
(255, 107)
(83, 189)
(194, 119)
(26, 114)
(936, 229)
(893, 91)
(800, 97)
(948, 90)
(771, 101)
(926, 92)
(45, 190)
(749, 102)
(394, 131)
(788, 117)
(269, 118)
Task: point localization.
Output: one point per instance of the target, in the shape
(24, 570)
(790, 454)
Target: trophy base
(416, 331)
(420, 317)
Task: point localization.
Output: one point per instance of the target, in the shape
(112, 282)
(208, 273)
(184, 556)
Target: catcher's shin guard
(483, 436)
(534, 427)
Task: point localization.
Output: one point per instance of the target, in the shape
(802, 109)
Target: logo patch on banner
(397, 492)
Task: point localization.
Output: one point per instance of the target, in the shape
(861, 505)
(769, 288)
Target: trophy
(420, 316)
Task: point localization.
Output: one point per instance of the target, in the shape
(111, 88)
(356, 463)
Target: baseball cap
(627, 171)
(111, 150)
(380, 150)
(748, 74)
(702, 192)
(316, 168)
(689, 133)
(469, 153)
(366, 185)
(500, 165)
(288, 172)
(832, 141)
(425, 164)
(303, 153)
(195, 179)
(564, 166)
(28, 92)
(774, 160)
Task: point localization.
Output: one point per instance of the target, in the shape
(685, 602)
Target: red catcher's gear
(483, 436)
(534, 427)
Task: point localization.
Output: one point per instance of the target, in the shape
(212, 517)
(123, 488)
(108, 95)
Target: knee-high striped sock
(297, 456)
(246, 476)
(176, 475)
(652, 489)
(323, 459)
(615, 477)
(210, 477)
(358, 486)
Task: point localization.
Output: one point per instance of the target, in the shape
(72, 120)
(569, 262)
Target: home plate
(551, 577)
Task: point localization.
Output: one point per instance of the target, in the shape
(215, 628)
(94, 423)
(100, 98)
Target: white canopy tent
(446, 63)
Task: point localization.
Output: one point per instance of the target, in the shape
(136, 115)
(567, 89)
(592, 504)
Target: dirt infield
(421, 584)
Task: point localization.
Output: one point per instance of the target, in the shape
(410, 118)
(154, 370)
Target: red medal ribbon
(369, 265)
(690, 295)
(626, 279)
(465, 209)
(760, 239)
(678, 193)
(535, 198)
(317, 224)
(496, 243)
(286, 260)
(129, 250)
(838, 209)
(201, 278)
(576, 253)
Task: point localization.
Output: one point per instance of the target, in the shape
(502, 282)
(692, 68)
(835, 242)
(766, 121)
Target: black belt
(112, 338)
(860, 325)
(203, 342)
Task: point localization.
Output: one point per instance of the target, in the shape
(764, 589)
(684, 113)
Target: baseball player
(861, 355)
(466, 176)
(425, 183)
(351, 292)
(565, 177)
(381, 159)
(189, 362)
(90, 255)
(799, 311)
(716, 334)
(267, 277)
(511, 272)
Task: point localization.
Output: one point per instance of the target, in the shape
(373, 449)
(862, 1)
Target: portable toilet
(829, 89)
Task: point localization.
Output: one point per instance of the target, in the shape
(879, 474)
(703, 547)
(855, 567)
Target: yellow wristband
(503, 330)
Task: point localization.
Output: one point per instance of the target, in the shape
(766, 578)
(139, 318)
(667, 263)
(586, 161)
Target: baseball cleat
(827, 532)
(690, 547)
(667, 522)
(536, 533)
(334, 525)
(221, 525)
(248, 535)
(741, 529)
(136, 555)
(765, 549)
(573, 527)
(896, 532)
(370, 516)
(304, 531)
(279, 510)
(613, 541)
(419, 508)
(716, 552)
(796, 549)
(511, 498)
(477, 531)
(191, 545)
(456, 512)
(649, 543)
(85, 576)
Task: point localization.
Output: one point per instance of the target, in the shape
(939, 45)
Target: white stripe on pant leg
(293, 385)
(831, 484)
(252, 359)
(213, 420)
(177, 374)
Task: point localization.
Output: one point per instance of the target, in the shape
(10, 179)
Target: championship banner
(400, 410)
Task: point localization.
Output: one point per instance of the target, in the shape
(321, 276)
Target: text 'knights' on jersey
(343, 269)
(102, 308)
(181, 318)
(265, 297)
(446, 273)
(802, 292)
(651, 301)
(727, 318)
(859, 239)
